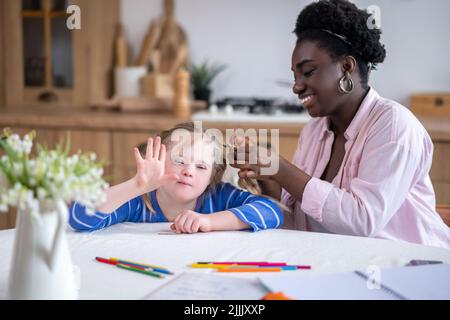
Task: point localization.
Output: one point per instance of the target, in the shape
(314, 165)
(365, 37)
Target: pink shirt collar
(358, 120)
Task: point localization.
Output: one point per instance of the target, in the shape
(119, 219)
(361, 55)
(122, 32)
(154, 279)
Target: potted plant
(201, 77)
(40, 187)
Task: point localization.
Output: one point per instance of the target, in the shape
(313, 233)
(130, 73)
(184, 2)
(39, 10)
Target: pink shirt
(382, 189)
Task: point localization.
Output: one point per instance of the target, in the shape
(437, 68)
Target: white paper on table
(339, 286)
(418, 282)
(426, 282)
(202, 286)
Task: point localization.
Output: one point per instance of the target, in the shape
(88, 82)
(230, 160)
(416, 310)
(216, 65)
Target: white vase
(41, 266)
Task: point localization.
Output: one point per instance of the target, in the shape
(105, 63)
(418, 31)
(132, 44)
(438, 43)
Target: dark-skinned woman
(362, 162)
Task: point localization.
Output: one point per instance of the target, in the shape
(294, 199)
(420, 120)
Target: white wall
(254, 38)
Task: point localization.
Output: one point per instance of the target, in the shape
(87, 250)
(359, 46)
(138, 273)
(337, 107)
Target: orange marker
(276, 296)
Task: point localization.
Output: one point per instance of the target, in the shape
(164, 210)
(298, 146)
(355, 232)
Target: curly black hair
(339, 27)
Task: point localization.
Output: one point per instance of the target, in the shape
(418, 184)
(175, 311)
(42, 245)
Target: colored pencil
(103, 260)
(149, 273)
(208, 266)
(269, 264)
(143, 266)
(218, 265)
(283, 268)
(155, 268)
(249, 270)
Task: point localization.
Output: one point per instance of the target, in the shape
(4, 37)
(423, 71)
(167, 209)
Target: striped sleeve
(258, 212)
(132, 211)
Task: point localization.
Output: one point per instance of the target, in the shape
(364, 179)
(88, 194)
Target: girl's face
(193, 163)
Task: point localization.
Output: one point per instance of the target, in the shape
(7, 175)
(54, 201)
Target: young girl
(184, 188)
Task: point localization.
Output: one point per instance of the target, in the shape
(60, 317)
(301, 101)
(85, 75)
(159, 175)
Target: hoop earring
(341, 86)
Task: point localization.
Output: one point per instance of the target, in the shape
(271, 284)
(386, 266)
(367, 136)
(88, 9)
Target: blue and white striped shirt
(258, 212)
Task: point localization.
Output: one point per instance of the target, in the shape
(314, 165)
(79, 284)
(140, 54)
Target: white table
(326, 253)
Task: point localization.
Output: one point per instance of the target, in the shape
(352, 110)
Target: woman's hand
(191, 222)
(256, 157)
(150, 171)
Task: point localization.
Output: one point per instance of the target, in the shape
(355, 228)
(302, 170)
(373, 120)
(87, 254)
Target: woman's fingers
(157, 148)
(149, 151)
(247, 174)
(251, 174)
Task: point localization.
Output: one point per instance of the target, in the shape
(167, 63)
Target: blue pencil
(144, 266)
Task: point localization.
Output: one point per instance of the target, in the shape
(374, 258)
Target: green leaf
(7, 173)
(203, 74)
(9, 151)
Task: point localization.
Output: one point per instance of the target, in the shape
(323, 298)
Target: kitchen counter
(241, 117)
(437, 127)
(86, 118)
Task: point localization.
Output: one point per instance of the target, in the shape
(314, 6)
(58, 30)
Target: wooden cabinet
(46, 63)
(440, 172)
(439, 130)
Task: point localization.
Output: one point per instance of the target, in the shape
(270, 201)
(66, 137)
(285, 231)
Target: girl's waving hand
(150, 173)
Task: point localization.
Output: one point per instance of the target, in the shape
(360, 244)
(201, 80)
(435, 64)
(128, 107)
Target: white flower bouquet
(29, 182)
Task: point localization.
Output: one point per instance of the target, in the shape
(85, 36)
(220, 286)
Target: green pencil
(149, 273)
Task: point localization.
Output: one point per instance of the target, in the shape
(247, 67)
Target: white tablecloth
(326, 253)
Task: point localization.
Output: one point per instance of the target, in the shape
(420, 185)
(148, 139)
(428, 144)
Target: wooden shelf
(81, 71)
(42, 14)
(59, 14)
(33, 14)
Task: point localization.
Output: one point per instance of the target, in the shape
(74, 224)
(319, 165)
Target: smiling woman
(362, 163)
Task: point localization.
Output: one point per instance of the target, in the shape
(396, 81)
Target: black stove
(260, 105)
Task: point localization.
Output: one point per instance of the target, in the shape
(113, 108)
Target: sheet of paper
(414, 282)
(339, 286)
(202, 286)
(419, 282)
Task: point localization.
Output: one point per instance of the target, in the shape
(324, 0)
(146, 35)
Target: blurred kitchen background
(137, 67)
(254, 37)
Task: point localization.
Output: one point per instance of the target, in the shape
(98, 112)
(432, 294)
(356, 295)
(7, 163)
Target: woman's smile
(307, 100)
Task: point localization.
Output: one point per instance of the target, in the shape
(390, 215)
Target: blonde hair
(218, 169)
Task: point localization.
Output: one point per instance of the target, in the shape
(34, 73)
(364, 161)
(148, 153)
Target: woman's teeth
(306, 100)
